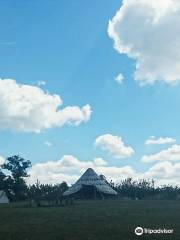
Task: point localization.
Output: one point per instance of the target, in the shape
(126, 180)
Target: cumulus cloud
(169, 154)
(100, 162)
(159, 141)
(147, 31)
(114, 145)
(2, 160)
(30, 109)
(69, 169)
(119, 78)
(164, 173)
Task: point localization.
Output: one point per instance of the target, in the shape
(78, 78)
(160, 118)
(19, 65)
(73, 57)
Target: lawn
(90, 220)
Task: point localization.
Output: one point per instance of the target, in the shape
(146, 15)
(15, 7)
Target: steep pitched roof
(90, 177)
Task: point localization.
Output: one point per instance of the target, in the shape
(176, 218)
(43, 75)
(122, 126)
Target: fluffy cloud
(164, 173)
(169, 154)
(114, 145)
(119, 78)
(159, 141)
(2, 160)
(69, 169)
(147, 31)
(29, 109)
(100, 162)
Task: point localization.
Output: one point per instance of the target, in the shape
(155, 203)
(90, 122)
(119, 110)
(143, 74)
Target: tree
(46, 193)
(2, 180)
(17, 168)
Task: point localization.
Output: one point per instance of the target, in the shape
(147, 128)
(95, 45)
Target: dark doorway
(88, 192)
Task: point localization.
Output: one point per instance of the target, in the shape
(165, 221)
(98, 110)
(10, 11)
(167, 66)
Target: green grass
(90, 220)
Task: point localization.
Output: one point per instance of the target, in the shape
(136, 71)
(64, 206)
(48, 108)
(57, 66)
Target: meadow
(90, 220)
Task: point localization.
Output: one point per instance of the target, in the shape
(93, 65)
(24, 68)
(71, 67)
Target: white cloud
(69, 169)
(147, 31)
(114, 145)
(2, 160)
(100, 162)
(48, 144)
(164, 173)
(30, 109)
(116, 174)
(41, 83)
(119, 78)
(169, 154)
(159, 141)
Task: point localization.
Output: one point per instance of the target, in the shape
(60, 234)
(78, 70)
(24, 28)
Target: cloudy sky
(91, 84)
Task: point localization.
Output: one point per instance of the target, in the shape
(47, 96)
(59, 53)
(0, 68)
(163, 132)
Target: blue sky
(66, 44)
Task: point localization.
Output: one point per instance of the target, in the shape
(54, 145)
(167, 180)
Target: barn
(90, 185)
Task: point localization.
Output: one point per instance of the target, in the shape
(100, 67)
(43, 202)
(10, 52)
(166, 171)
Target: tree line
(13, 174)
(145, 189)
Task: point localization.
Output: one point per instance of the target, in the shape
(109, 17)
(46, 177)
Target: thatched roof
(90, 177)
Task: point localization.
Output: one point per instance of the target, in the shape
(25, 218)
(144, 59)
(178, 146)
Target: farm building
(3, 197)
(90, 185)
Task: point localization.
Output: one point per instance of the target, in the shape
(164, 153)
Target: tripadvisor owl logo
(139, 231)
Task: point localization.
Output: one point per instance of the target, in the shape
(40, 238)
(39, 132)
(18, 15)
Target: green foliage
(51, 194)
(2, 180)
(145, 189)
(13, 181)
(17, 166)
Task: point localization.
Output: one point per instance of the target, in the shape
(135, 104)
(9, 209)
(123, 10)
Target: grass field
(90, 220)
